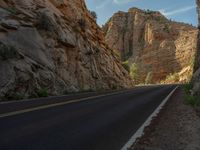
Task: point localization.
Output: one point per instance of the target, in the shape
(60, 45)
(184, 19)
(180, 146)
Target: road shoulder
(176, 127)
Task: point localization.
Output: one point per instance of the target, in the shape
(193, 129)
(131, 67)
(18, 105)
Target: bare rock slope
(54, 45)
(157, 45)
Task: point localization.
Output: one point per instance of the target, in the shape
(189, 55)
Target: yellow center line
(54, 105)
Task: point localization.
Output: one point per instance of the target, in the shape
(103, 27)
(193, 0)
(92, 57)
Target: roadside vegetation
(193, 100)
(42, 92)
(134, 73)
(183, 76)
(133, 70)
(172, 78)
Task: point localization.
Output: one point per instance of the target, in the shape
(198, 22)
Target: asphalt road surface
(98, 123)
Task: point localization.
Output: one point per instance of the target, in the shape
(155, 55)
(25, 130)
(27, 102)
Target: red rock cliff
(157, 45)
(54, 45)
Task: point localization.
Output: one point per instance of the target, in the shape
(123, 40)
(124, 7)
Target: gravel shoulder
(177, 127)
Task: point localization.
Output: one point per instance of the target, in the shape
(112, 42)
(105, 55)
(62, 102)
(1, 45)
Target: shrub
(176, 77)
(166, 28)
(134, 72)
(172, 78)
(188, 88)
(192, 61)
(7, 52)
(189, 99)
(149, 11)
(192, 100)
(42, 92)
(94, 14)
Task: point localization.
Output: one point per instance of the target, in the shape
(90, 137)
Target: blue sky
(178, 10)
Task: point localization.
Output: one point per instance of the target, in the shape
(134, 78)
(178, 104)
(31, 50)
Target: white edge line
(140, 132)
(55, 104)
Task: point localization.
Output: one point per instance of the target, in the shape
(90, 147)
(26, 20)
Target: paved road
(101, 123)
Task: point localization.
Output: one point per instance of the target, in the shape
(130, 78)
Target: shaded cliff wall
(197, 62)
(196, 76)
(56, 46)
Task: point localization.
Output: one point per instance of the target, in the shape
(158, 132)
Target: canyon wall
(196, 76)
(157, 46)
(54, 46)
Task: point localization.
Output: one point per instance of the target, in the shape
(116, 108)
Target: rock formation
(196, 76)
(158, 46)
(54, 45)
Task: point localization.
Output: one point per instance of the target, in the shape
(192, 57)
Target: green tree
(134, 72)
(94, 14)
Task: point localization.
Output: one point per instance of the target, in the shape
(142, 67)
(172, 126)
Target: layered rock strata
(157, 45)
(54, 46)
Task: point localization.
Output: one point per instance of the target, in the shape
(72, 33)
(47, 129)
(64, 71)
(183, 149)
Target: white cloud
(118, 2)
(177, 11)
(103, 4)
(121, 1)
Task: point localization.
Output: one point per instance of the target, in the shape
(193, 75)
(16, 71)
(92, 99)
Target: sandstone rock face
(56, 45)
(156, 44)
(196, 76)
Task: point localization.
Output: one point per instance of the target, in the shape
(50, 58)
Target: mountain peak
(146, 12)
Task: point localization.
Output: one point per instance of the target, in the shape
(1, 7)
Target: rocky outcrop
(197, 62)
(196, 76)
(157, 45)
(54, 45)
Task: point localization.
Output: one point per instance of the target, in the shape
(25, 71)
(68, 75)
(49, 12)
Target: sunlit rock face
(54, 45)
(157, 45)
(196, 76)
